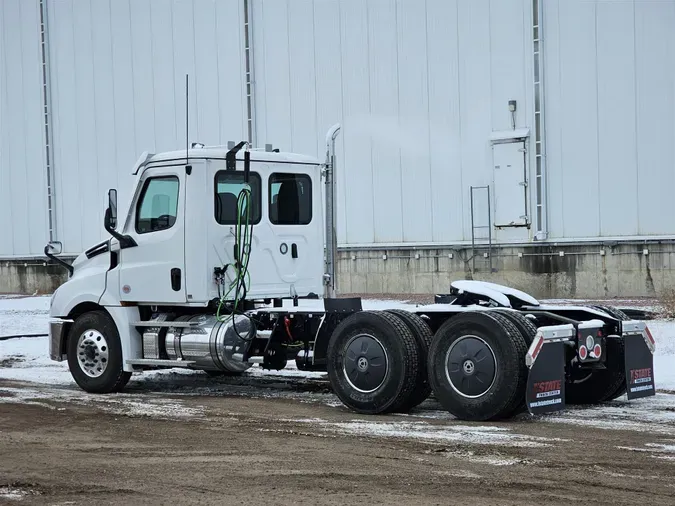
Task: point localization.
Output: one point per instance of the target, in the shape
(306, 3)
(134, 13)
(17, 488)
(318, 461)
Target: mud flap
(639, 367)
(546, 382)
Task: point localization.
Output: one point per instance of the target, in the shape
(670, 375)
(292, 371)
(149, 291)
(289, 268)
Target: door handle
(294, 250)
(175, 279)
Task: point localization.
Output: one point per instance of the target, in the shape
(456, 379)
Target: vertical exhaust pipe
(331, 237)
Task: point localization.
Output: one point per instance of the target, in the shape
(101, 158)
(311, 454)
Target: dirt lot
(287, 441)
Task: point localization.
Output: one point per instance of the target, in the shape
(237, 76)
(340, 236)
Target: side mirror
(111, 211)
(110, 221)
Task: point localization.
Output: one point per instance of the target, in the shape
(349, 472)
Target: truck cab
(186, 220)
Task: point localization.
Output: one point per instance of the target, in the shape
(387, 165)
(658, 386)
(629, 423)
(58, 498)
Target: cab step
(161, 362)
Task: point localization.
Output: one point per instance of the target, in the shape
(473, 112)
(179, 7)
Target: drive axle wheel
(373, 362)
(528, 330)
(95, 354)
(477, 366)
(423, 336)
(470, 366)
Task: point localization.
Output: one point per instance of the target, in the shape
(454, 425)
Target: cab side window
(228, 185)
(290, 199)
(157, 206)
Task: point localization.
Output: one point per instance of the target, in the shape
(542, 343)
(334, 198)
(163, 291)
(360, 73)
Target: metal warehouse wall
(117, 75)
(610, 117)
(23, 211)
(419, 85)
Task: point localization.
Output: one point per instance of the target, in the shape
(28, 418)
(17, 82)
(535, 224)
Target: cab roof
(220, 152)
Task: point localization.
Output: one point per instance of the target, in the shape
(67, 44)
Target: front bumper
(56, 337)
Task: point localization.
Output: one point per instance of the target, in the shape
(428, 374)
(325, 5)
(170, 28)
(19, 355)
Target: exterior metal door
(296, 227)
(510, 185)
(154, 271)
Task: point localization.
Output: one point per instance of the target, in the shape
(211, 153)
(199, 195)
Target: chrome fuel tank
(212, 343)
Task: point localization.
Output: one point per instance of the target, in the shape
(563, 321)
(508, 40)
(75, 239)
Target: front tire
(477, 366)
(95, 354)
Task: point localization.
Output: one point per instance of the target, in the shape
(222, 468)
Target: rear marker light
(583, 352)
(597, 351)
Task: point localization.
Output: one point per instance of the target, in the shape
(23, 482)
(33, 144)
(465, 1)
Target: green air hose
(243, 235)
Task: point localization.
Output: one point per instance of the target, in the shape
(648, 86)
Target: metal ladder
(474, 226)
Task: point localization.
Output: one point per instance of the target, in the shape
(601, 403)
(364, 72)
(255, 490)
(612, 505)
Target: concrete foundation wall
(623, 271)
(29, 276)
(583, 271)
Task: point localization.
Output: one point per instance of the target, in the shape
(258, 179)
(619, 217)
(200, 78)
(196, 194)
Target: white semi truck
(222, 260)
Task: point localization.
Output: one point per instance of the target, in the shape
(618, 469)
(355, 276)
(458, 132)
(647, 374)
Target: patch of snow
(26, 315)
(27, 359)
(459, 473)
(663, 332)
(423, 431)
(290, 371)
(658, 450)
(120, 404)
(14, 494)
(493, 460)
(652, 414)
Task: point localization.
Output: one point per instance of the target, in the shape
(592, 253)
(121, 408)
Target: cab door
(154, 271)
(298, 252)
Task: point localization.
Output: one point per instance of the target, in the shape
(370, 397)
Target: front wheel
(95, 354)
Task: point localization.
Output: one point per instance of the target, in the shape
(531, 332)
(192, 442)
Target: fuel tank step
(168, 363)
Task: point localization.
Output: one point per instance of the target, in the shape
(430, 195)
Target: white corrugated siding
(118, 77)
(23, 210)
(418, 86)
(610, 124)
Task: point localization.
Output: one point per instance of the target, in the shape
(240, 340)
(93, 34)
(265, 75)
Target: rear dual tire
(373, 363)
(477, 366)
(474, 364)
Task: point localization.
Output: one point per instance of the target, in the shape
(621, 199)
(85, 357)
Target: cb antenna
(188, 168)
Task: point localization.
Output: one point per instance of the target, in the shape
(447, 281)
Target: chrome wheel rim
(92, 353)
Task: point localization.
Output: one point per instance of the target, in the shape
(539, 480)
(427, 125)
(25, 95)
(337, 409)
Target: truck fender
(130, 338)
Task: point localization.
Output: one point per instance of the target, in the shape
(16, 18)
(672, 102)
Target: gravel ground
(181, 437)
(287, 441)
